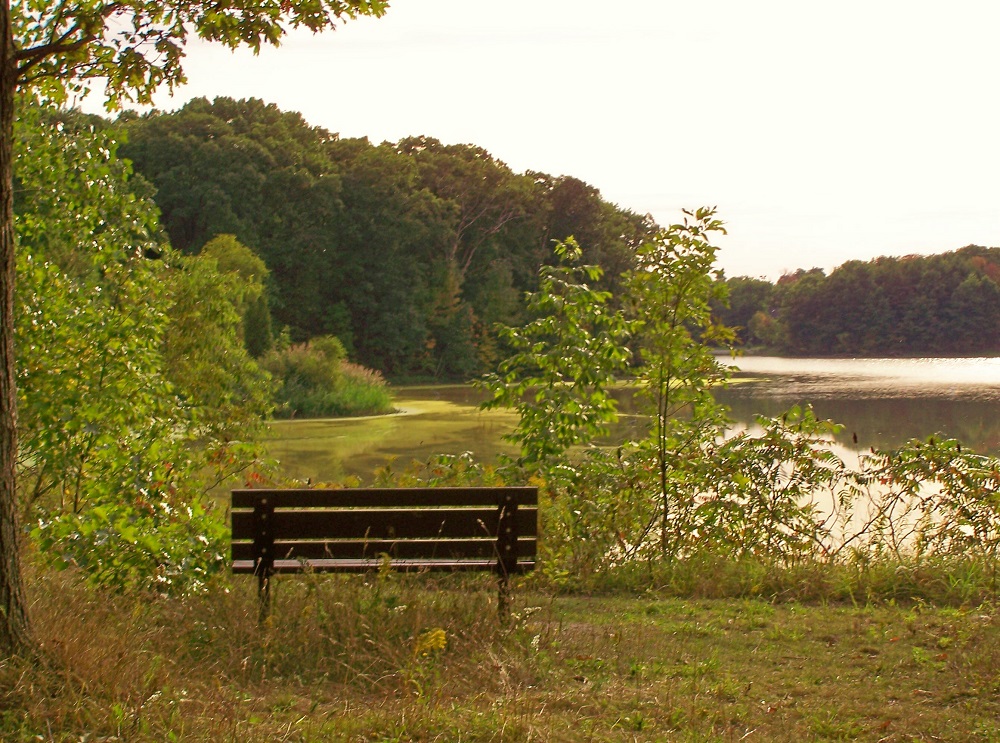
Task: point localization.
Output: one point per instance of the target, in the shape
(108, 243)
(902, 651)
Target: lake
(433, 420)
(884, 402)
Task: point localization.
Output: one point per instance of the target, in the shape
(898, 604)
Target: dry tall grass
(423, 658)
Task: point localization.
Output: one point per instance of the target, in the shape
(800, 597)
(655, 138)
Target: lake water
(883, 402)
(433, 420)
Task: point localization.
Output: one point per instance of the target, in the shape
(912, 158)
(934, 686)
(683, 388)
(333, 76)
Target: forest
(409, 253)
(945, 304)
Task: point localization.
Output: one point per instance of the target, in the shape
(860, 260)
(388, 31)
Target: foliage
(60, 52)
(225, 394)
(748, 498)
(483, 197)
(745, 298)
(232, 257)
(915, 305)
(929, 500)
(136, 395)
(779, 499)
(563, 362)
(94, 397)
(92, 383)
(445, 471)
(776, 497)
(155, 542)
(609, 235)
(409, 252)
(671, 292)
(73, 207)
(596, 514)
(315, 380)
(760, 499)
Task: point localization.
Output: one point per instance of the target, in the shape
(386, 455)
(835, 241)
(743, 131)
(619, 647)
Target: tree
(90, 313)
(483, 193)
(563, 364)
(747, 297)
(250, 272)
(975, 310)
(135, 395)
(672, 291)
(409, 253)
(134, 47)
(608, 235)
(911, 305)
(243, 167)
(224, 391)
(390, 232)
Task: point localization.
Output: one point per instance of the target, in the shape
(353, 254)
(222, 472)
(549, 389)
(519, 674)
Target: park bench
(357, 530)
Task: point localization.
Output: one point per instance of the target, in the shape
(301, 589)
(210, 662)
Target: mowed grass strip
(424, 659)
(732, 670)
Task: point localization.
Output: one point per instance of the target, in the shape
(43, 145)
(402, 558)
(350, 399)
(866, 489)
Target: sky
(822, 132)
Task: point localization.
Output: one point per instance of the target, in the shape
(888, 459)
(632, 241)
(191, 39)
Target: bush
(692, 506)
(315, 380)
(159, 544)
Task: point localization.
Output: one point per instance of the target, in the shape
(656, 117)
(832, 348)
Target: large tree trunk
(13, 616)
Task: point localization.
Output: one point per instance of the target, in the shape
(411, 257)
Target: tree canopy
(913, 305)
(409, 252)
(132, 47)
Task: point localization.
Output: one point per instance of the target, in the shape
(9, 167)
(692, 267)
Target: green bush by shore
(315, 380)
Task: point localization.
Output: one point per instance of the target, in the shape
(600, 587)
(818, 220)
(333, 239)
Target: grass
(396, 658)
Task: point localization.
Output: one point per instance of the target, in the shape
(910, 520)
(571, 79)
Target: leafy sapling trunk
(671, 292)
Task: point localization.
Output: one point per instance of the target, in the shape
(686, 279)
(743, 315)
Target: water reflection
(884, 402)
(972, 378)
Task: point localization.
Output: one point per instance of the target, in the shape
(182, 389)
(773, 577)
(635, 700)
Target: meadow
(395, 658)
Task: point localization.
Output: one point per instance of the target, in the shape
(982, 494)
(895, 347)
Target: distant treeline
(408, 252)
(411, 252)
(915, 305)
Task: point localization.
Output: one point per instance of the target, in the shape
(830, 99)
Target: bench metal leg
(263, 596)
(264, 547)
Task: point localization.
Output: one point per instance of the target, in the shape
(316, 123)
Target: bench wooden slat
(343, 549)
(335, 523)
(373, 565)
(384, 497)
(374, 523)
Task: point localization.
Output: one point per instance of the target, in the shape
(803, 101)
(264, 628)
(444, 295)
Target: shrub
(689, 494)
(160, 545)
(315, 380)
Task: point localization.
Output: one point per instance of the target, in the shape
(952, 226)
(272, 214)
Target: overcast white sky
(822, 131)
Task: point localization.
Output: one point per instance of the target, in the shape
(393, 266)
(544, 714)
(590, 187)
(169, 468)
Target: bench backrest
(359, 529)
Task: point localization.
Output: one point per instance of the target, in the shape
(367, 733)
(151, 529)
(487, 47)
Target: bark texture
(14, 634)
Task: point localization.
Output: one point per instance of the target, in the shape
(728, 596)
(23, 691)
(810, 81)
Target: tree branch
(30, 57)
